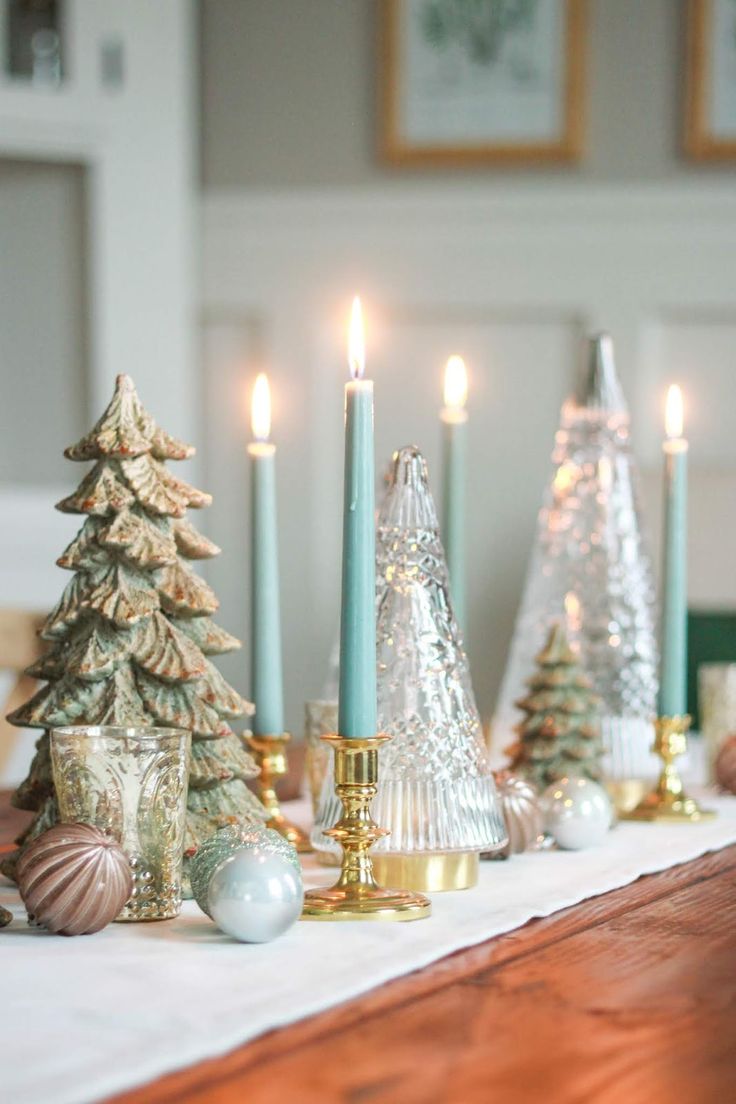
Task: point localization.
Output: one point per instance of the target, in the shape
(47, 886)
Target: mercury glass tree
(130, 639)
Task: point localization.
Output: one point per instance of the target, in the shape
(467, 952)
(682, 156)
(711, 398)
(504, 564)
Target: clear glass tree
(436, 794)
(590, 565)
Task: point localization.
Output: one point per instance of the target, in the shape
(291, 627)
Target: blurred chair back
(19, 647)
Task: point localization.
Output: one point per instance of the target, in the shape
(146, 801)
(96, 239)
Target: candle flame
(356, 341)
(456, 383)
(564, 479)
(260, 414)
(673, 417)
(572, 606)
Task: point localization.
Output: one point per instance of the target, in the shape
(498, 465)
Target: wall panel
(510, 282)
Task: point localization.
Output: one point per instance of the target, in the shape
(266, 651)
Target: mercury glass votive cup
(132, 784)
(717, 698)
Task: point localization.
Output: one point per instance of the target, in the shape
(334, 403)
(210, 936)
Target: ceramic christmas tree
(436, 794)
(560, 733)
(590, 565)
(130, 639)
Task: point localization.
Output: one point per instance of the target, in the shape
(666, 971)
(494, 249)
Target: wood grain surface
(626, 999)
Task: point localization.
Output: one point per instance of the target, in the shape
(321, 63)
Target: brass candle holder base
(356, 895)
(270, 754)
(667, 802)
(626, 793)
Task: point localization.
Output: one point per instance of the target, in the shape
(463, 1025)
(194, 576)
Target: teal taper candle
(357, 694)
(673, 673)
(266, 671)
(454, 418)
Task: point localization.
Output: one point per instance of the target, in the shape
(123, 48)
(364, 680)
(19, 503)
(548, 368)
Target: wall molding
(496, 209)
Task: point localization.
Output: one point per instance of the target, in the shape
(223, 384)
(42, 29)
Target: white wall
(512, 282)
(289, 98)
(97, 234)
(43, 325)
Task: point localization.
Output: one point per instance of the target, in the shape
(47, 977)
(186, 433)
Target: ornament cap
(599, 387)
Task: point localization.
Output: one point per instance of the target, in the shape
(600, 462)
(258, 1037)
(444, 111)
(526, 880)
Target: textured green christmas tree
(131, 637)
(560, 732)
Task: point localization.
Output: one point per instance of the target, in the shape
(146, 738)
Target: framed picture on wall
(474, 81)
(710, 115)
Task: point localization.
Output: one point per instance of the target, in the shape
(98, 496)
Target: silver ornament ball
(577, 813)
(225, 842)
(255, 895)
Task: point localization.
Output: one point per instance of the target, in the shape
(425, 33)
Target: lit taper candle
(672, 696)
(357, 694)
(454, 418)
(266, 674)
(356, 895)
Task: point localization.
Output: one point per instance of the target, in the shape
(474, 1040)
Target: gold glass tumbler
(132, 784)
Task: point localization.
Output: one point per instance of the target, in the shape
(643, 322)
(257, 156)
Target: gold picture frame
(710, 119)
(564, 146)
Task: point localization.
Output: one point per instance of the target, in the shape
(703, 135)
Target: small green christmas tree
(131, 635)
(560, 734)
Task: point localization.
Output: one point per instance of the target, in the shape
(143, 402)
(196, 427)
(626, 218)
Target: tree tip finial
(557, 647)
(598, 385)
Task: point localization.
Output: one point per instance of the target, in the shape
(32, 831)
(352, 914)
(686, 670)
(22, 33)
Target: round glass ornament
(255, 894)
(74, 879)
(226, 842)
(577, 813)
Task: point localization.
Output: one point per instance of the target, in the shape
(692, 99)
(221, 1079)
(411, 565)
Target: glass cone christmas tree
(130, 639)
(590, 566)
(435, 793)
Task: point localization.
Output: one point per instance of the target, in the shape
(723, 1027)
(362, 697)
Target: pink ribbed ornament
(74, 880)
(522, 813)
(725, 765)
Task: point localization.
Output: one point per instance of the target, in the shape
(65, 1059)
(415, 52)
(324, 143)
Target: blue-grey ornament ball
(226, 841)
(255, 895)
(577, 813)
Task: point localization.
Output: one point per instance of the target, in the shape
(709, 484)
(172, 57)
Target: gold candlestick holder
(668, 801)
(356, 895)
(270, 754)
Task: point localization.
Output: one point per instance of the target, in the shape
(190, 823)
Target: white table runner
(87, 1017)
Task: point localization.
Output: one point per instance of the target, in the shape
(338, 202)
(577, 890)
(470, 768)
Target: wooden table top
(626, 999)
